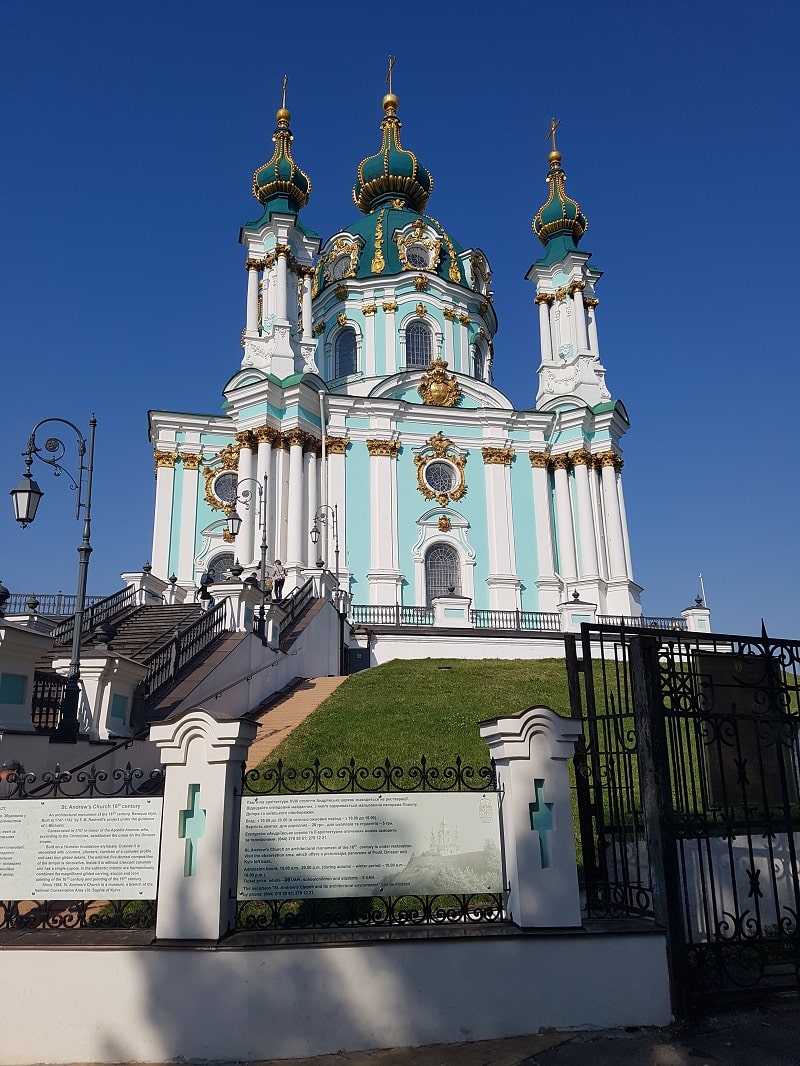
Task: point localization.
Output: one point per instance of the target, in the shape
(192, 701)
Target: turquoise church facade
(361, 430)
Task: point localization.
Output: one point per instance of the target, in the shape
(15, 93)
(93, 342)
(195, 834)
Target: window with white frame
(345, 351)
(419, 345)
(442, 572)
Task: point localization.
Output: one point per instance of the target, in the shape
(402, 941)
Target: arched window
(418, 344)
(417, 256)
(478, 362)
(344, 353)
(442, 572)
(221, 563)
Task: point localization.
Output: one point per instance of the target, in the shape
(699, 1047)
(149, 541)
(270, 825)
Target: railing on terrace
(397, 615)
(48, 691)
(520, 620)
(375, 614)
(52, 604)
(441, 909)
(98, 612)
(164, 664)
(641, 621)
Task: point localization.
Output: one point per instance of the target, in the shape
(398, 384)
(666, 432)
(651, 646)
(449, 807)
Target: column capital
(369, 309)
(561, 461)
(246, 439)
(191, 460)
(582, 457)
(164, 459)
(544, 298)
(576, 285)
(390, 306)
(294, 438)
(591, 302)
(337, 445)
(253, 264)
(449, 313)
(390, 448)
(539, 460)
(265, 434)
(610, 459)
(499, 456)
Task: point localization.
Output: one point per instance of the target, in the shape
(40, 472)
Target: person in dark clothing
(278, 578)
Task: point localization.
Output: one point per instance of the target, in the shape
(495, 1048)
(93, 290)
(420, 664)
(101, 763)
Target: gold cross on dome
(554, 124)
(392, 61)
(283, 97)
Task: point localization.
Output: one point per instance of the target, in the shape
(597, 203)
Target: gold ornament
(191, 460)
(498, 456)
(444, 524)
(387, 448)
(437, 389)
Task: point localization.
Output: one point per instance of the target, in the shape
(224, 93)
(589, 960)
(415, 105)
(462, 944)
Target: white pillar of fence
(531, 752)
(203, 760)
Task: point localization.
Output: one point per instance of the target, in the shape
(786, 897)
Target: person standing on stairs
(278, 578)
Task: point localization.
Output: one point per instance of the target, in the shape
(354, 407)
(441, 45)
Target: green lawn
(409, 708)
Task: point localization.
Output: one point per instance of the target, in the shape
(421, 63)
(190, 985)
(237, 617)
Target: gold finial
(283, 115)
(554, 124)
(392, 61)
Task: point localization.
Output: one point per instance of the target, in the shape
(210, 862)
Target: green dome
(393, 173)
(560, 216)
(281, 178)
(383, 243)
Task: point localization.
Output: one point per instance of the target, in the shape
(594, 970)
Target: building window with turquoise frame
(419, 345)
(344, 353)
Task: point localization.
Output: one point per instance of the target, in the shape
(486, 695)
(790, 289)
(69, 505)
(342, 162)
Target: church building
(361, 431)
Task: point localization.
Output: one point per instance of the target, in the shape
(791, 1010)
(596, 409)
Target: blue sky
(130, 133)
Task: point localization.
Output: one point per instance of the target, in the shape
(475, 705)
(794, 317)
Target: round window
(440, 476)
(225, 488)
(340, 267)
(417, 256)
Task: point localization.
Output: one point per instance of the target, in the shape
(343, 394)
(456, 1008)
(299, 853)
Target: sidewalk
(768, 1035)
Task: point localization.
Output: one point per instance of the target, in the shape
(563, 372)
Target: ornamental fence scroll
(459, 908)
(319, 779)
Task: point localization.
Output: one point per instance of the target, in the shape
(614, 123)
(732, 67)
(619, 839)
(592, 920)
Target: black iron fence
(52, 604)
(164, 665)
(48, 691)
(444, 908)
(688, 796)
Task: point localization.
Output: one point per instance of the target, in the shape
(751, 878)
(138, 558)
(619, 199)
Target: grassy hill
(409, 708)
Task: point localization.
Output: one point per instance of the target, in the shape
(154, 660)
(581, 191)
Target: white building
(364, 397)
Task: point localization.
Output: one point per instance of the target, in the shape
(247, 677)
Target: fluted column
(187, 543)
(544, 300)
(576, 291)
(162, 522)
(384, 577)
(581, 462)
(248, 514)
(611, 464)
(294, 532)
(566, 530)
(252, 295)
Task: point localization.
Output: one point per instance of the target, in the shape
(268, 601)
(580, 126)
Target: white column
(188, 535)
(580, 464)
(252, 295)
(392, 348)
(294, 533)
(566, 530)
(616, 542)
(591, 307)
(162, 521)
(265, 436)
(308, 332)
(624, 521)
(312, 505)
(501, 579)
(281, 310)
(243, 549)
(266, 285)
(544, 300)
(542, 516)
(369, 341)
(456, 364)
(337, 497)
(384, 577)
(281, 500)
(580, 316)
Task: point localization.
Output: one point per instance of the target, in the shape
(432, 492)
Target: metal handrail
(642, 621)
(294, 605)
(99, 612)
(50, 604)
(164, 664)
(397, 615)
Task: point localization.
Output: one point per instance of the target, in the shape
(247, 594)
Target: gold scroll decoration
(437, 389)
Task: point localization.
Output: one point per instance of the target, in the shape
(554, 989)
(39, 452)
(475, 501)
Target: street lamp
(26, 497)
(235, 523)
(321, 518)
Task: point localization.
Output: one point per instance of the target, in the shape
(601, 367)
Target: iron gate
(687, 784)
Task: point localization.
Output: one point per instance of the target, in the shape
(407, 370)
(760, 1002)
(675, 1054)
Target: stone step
(277, 718)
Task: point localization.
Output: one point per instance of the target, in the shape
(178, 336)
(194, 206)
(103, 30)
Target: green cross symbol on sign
(542, 821)
(191, 826)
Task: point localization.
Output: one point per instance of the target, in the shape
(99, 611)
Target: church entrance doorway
(442, 573)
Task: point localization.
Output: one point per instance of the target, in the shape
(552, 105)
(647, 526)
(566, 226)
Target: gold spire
(555, 155)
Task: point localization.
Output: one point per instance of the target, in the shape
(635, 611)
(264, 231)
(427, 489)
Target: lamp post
(321, 518)
(26, 497)
(234, 525)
